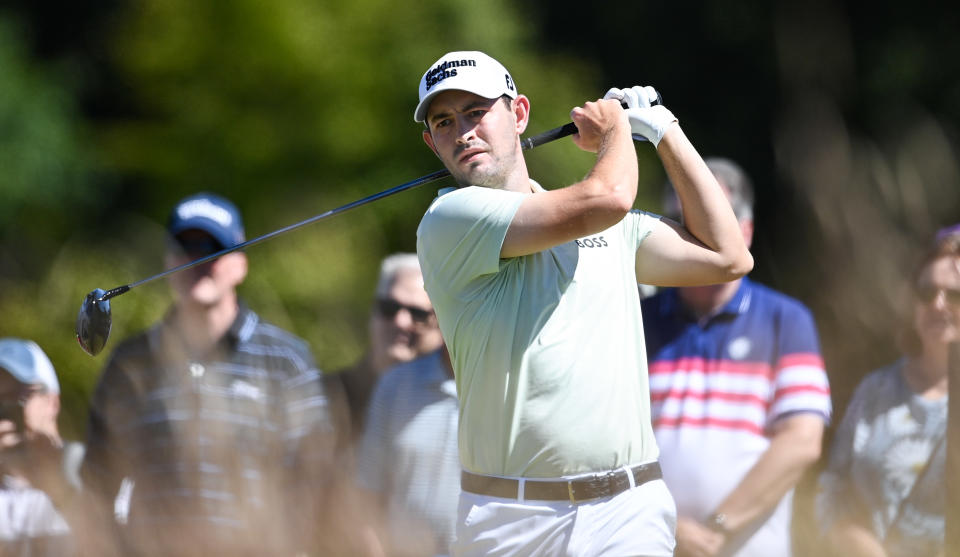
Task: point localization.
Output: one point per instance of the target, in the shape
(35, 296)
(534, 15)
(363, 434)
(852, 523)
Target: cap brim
(492, 92)
(203, 225)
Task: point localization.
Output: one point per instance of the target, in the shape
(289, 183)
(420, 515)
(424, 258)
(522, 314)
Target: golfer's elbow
(733, 265)
(741, 263)
(613, 198)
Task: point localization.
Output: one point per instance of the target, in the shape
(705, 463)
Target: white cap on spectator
(27, 363)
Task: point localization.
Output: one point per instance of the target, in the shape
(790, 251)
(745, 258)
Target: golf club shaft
(529, 143)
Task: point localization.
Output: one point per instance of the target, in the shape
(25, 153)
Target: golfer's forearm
(707, 213)
(615, 173)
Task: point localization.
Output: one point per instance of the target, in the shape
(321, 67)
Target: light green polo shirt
(547, 348)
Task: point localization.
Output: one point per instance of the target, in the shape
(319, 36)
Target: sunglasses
(927, 293)
(390, 308)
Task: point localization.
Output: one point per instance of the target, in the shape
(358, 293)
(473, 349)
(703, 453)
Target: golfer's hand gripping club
(649, 119)
(571, 128)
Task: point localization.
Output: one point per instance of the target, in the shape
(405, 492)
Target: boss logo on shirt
(595, 242)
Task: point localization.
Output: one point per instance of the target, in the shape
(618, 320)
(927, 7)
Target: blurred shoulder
(256, 336)
(425, 369)
(775, 299)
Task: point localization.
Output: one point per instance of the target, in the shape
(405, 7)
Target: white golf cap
(467, 70)
(27, 363)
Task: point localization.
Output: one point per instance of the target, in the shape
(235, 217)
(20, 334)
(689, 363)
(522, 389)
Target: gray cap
(27, 363)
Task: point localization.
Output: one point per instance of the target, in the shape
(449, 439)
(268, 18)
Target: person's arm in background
(794, 447)
(844, 519)
(89, 509)
(847, 538)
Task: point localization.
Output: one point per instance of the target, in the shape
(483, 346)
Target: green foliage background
(290, 108)
(845, 114)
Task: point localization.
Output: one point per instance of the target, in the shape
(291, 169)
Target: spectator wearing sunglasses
(882, 492)
(402, 327)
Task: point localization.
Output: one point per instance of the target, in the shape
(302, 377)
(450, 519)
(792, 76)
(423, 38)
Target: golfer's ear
(428, 139)
(521, 110)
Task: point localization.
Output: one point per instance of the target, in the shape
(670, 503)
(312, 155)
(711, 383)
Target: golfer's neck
(518, 178)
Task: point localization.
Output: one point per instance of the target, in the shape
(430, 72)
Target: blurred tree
(289, 108)
(294, 107)
(46, 168)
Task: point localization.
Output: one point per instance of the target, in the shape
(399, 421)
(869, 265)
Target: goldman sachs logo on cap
(206, 209)
(448, 68)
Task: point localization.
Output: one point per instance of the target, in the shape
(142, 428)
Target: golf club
(94, 319)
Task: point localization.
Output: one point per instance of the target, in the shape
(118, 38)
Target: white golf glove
(647, 121)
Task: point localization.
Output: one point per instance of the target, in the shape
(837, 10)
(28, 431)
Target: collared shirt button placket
(197, 370)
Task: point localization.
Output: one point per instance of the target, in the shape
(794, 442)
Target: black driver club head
(94, 322)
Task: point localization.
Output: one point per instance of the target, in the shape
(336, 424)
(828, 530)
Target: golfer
(536, 295)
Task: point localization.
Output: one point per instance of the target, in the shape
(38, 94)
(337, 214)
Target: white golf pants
(638, 522)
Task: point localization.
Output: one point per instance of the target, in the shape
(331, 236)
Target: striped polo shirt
(213, 443)
(408, 454)
(718, 384)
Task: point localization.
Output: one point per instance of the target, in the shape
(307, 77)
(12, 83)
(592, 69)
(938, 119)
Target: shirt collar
(246, 321)
(738, 304)
(537, 188)
(436, 373)
(239, 331)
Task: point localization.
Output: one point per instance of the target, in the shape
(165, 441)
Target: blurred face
(476, 137)
(24, 410)
(403, 325)
(211, 283)
(936, 315)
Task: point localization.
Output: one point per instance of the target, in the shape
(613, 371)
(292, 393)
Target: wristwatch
(718, 523)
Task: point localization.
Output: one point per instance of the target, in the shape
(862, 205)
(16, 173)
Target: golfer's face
(475, 137)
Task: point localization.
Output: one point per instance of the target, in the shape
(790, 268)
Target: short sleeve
(836, 496)
(637, 226)
(800, 381)
(461, 235)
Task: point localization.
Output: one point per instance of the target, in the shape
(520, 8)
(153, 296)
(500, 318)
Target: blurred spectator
(29, 450)
(402, 327)
(214, 421)
(740, 398)
(882, 491)
(408, 455)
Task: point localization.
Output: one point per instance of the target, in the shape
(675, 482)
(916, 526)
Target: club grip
(546, 137)
(569, 129)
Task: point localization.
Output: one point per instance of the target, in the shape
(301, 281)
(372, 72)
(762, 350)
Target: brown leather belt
(579, 489)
